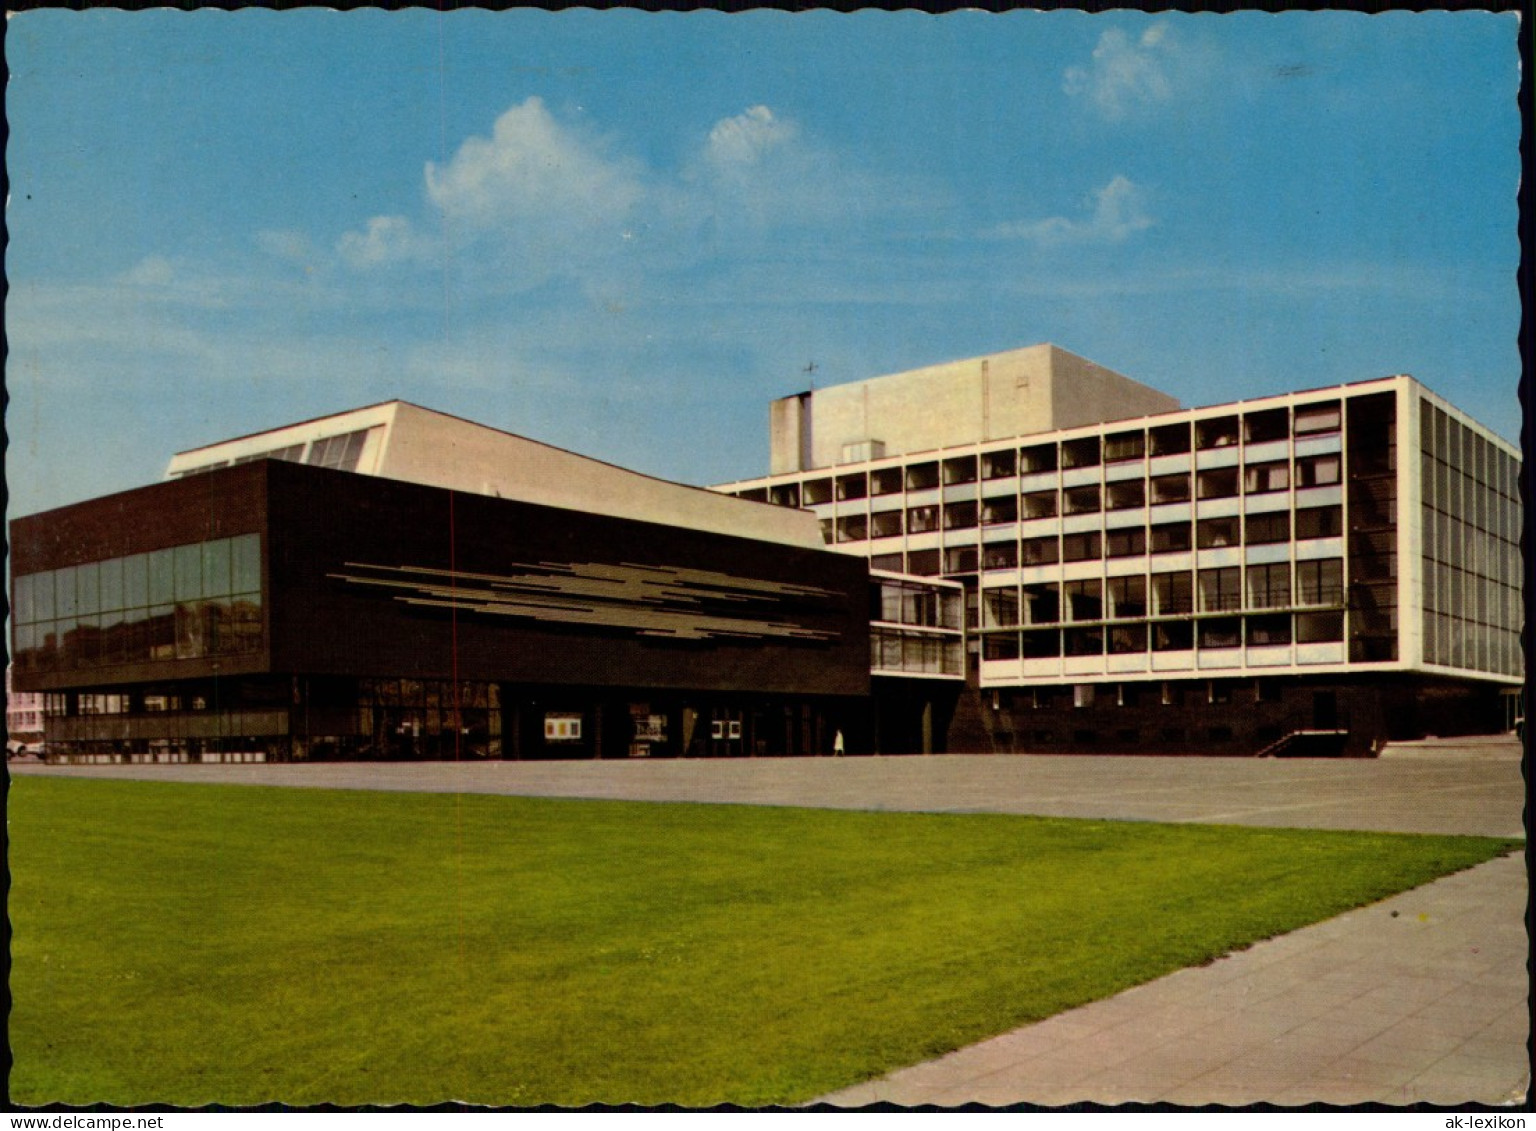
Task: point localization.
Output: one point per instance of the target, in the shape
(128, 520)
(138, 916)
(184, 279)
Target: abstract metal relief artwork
(670, 602)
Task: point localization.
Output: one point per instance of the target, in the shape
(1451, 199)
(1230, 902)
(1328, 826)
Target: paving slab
(1439, 1036)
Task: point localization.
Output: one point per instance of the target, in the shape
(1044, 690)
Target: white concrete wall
(444, 451)
(1085, 393)
(377, 417)
(1034, 389)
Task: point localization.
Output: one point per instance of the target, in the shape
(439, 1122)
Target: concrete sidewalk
(1420, 998)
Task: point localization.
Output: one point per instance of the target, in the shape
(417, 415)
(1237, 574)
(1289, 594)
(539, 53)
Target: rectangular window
(1171, 537)
(1262, 427)
(1315, 418)
(66, 595)
(189, 572)
(111, 577)
(1320, 582)
(338, 452)
(1128, 596)
(1000, 646)
(852, 528)
(1220, 589)
(1082, 500)
(923, 563)
(785, 495)
(1004, 508)
(921, 520)
(1215, 533)
(161, 577)
(1216, 483)
(1169, 439)
(922, 476)
(817, 491)
(1171, 488)
(1040, 551)
(1126, 542)
(1319, 522)
(1042, 644)
(1124, 494)
(1318, 471)
(1269, 586)
(1269, 630)
(1127, 639)
(1218, 433)
(1221, 632)
(88, 588)
(1037, 458)
(999, 608)
(1266, 529)
(22, 590)
(1173, 636)
(1000, 555)
(850, 487)
(244, 563)
(1040, 504)
(959, 469)
(1173, 594)
(889, 562)
(1081, 547)
(999, 465)
(1124, 446)
(960, 559)
(1042, 603)
(885, 481)
(885, 524)
(1265, 478)
(1085, 599)
(1084, 641)
(1319, 628)
(959, 516)
(1082, 452)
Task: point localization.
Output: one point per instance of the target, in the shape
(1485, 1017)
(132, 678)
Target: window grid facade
(187, 602)
(1471, 522)
(1277, 520)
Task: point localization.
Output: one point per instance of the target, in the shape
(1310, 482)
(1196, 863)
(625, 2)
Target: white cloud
(747, 138)
(153, 271)
(1116, 211)
(758, 170)
(287, 244)
(1126, 74)
(540, 198)
(387, 239)
(532, 167)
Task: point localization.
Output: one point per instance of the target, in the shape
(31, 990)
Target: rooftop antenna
(809, 370)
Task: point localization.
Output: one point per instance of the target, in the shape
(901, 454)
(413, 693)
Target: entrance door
(1325, 710)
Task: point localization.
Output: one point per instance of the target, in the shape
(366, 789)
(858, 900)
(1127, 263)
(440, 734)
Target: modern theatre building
(1023, 552)
(396, 583)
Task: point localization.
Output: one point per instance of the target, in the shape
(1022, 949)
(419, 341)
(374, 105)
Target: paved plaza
(1469, 787)
(1419, 998)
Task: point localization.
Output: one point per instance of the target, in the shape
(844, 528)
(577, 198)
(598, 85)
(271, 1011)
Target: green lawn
(194, 944)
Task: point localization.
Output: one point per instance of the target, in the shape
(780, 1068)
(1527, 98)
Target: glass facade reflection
(1470, 491)
(181, 603)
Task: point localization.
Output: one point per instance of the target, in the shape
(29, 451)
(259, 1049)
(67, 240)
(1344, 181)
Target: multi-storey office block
(1343, 564)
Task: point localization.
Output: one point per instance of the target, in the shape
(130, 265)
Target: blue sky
(624, 233)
